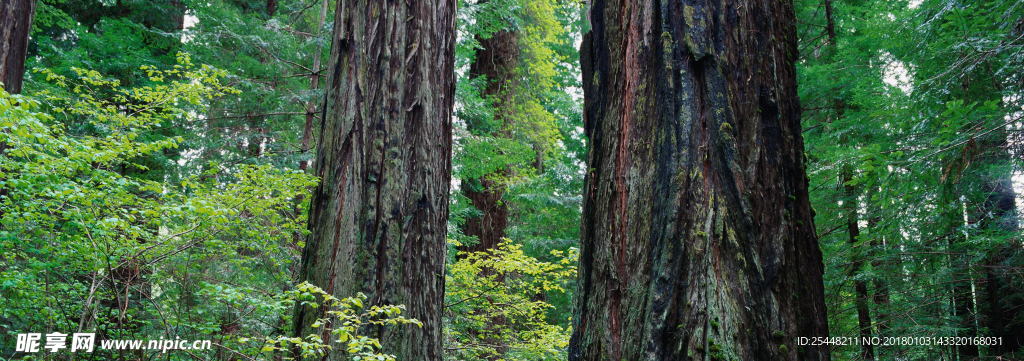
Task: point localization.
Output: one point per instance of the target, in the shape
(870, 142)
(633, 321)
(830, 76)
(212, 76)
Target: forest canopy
(515, 180)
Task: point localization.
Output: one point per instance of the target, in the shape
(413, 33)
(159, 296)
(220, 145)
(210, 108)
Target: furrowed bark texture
(496, 60)
(697, 238)
(378, 217)
(15, 25)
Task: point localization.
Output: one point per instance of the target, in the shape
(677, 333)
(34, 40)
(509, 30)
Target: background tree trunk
(698, 239)
(271, 8)
(860, 286)
(178, 15)
(496, 61)
(15, 25)
(314, 85)
(378, 217)
(1001, 299)
(880, 297)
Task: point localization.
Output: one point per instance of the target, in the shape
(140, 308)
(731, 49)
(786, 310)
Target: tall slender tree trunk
(178, 12)
(314, 85)
(378, 217)
(271, 8)
(698, 239)
(15, 26)
(961, 307)
(860, 286)
(994, 306)
(1000, 302)
(851, 207)
(496, 61)
(830, 24)
(880, 296)
(1002, 295)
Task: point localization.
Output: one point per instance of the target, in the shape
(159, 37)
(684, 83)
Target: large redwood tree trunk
(378, 217)
(698, 240)
(15, 25)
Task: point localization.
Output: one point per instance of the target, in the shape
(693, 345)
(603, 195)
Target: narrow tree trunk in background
(860, 286)
(994, 307)
(995, 284)
(314, 84)
(271, 8)
(960, 295)
(1001, 297)
(307, 128)
(15, 26)
(496, 61)
(378, 217)
(178, 14)
(851, 204)
(881, 295)
(698, 239)
(258, 135)
(830, 24)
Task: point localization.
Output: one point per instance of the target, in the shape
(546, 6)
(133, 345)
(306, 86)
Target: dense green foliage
(542, 140)
(153, 177)
(912, 114)
(506, 287)
(90, 242)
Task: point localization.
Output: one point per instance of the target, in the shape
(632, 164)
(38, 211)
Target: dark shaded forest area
(511, 180)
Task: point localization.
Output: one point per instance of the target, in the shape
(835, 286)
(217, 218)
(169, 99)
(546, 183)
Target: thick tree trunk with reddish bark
(698, 239)
(15, 25)
(378, 217)
(496, 61)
